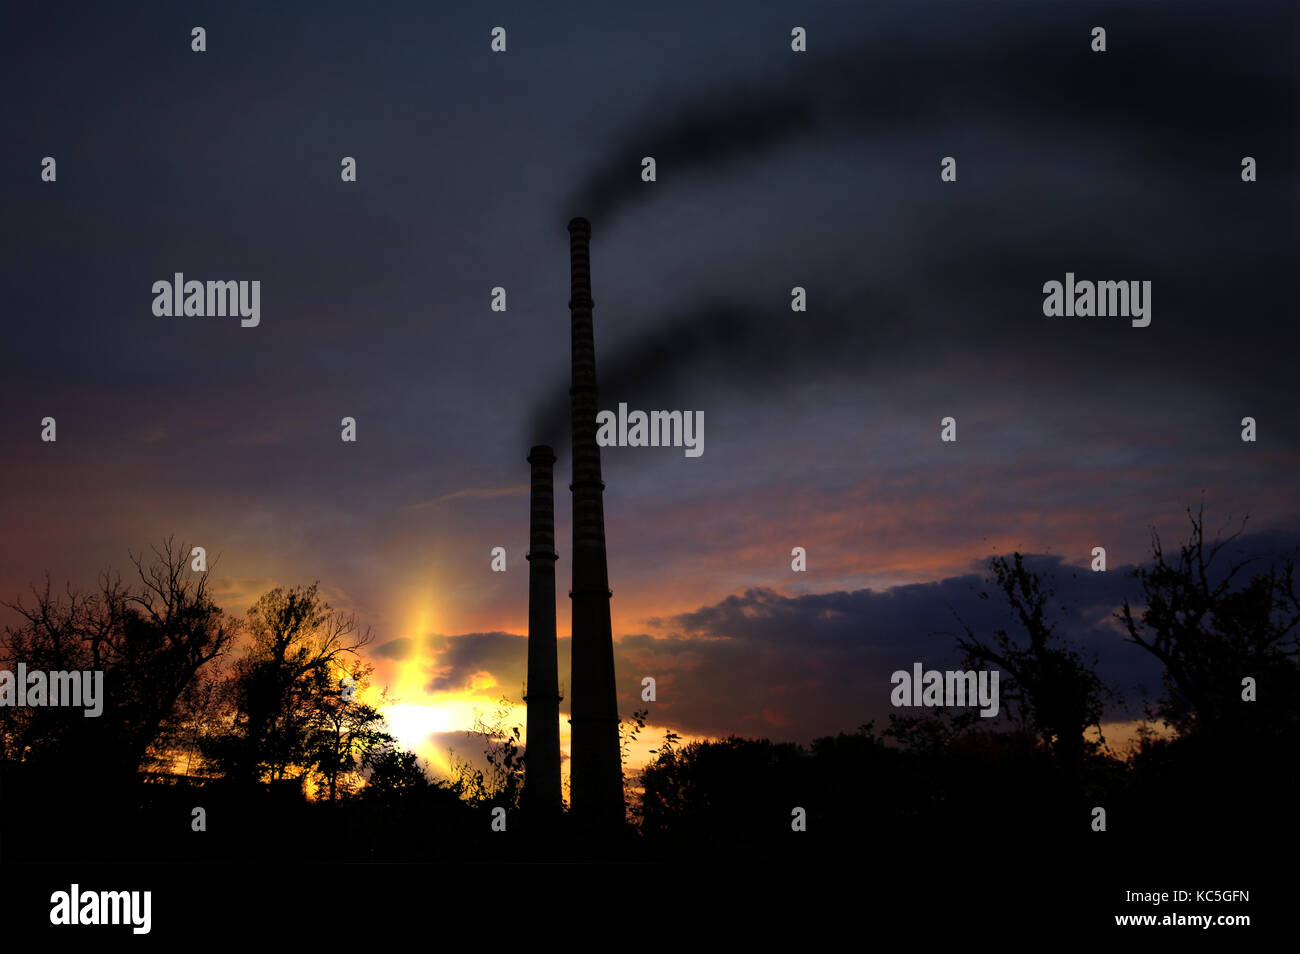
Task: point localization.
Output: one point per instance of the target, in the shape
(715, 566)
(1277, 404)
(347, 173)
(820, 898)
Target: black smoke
(1170, 81)
(1177, 99)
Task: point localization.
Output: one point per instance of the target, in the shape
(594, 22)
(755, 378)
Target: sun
(418, 715)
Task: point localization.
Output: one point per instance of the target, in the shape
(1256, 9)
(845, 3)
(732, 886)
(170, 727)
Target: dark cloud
(397, 649)
(761, 663)
(504, 655)
(793, 667)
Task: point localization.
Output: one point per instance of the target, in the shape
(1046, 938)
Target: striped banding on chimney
(542, 748)
(597, 774)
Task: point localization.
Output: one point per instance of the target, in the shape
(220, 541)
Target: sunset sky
(775, 169)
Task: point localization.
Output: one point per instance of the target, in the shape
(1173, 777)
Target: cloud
(460, 659)
(396, 649)
(794, 667)
(762, 663)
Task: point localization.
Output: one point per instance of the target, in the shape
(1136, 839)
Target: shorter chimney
(542, 697)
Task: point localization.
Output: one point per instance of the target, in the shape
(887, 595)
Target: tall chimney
(596, 767)
(542, 752)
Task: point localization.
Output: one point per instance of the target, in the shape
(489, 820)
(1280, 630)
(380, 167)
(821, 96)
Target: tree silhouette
(1048, 685)
(1210, 636)
(394, 773)
(151, 640)
(722, 791)
(298, 644)
(343, 730)
(628, 730)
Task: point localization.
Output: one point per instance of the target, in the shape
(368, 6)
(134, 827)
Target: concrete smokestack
(596, 767)
(542, 753)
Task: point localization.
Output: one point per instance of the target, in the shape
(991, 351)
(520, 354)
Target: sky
(775, 169)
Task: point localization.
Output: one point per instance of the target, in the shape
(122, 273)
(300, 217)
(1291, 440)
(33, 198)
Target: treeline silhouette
(248, 718)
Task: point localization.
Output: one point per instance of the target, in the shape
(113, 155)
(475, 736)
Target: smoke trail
(972, 66)
(977, 67)
(726, 344)
(702, 133)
